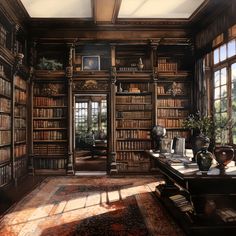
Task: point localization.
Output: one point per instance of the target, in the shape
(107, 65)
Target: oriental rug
(86, 206)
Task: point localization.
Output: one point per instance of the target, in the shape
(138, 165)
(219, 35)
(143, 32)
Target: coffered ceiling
(112, 10)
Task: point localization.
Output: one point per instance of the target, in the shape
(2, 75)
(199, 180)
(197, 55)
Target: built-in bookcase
(50, 122)
(5, 126)
(20, 126)
(133, 125)
(174, 103)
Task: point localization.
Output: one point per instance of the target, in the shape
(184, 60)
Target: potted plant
(201, 131)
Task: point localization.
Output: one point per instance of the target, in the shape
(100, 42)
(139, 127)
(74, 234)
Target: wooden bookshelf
(133, 125)
(174, 102)
(50, 142)
(20, 127)
(5, 127)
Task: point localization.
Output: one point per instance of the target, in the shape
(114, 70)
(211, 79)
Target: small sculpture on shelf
(140, 64)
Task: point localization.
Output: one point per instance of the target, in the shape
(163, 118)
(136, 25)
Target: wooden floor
(85, 162)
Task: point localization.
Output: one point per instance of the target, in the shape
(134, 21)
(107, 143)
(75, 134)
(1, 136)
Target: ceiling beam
(105, 11)
(116, 10)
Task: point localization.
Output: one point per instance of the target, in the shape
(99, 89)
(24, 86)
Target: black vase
(199, 142)
(204, 159)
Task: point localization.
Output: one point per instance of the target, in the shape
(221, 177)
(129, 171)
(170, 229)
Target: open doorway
(90, 124)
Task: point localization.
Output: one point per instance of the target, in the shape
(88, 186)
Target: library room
(117, 117)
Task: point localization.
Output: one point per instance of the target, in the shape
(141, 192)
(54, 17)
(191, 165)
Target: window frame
(227, 63)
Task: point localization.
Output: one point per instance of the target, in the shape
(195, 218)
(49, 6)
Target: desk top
(178, 165)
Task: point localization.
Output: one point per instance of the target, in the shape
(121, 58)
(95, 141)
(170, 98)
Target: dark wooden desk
(199, 188)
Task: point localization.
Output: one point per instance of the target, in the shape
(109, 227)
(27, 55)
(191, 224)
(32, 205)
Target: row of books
(131, 156)
(5, 154)
(49, 135)
(19, 135)
(133, 145)
(20, 150)
(171, 123)
(134, 114)
(49, 163)
(48, 124)
(21, 83)
(5, 87)
(45, 101)
(20, 123)
(49, 112)
(5, 121)
(133, 99)
(3, 39)
(20, 96)
(172, 112)
(5, 137)
(180, 89)
(5, 105)
(20, 110)
(129, 167)
(173, 102)
(50, 149)
(49, 89)
(142, 87)
(145, 124)
(21, 167)
(167, 67)
(133, 107)
(5, 174)
(182, 203)
(135, 134)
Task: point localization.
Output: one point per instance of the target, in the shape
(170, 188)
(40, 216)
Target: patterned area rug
(86, 206)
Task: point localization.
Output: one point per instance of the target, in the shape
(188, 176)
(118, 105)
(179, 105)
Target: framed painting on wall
(90, 63)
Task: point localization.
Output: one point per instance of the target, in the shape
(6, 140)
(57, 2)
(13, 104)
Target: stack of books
(227, 214)
(182, 203)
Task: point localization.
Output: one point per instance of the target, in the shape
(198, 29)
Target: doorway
(90, 132)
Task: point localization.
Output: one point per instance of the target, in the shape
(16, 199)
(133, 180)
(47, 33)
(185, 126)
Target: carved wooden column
(69, 75)
(112, 149)
(154, 80)
(30, 122)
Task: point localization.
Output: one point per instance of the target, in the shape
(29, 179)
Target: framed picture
(90, 62)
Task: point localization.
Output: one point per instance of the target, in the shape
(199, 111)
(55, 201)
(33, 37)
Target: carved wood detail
(90, 85)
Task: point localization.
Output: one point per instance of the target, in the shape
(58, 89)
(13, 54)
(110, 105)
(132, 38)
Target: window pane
(234, 135)
(217, 79)
(217, 105)
(217, 93)
(224, 105)
(223, 52)
(216, 56)
(234, 105)
(223, 77)
(223, 91)
(233, 72)
(231, 48)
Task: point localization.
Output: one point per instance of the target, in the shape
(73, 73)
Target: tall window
(224, 84)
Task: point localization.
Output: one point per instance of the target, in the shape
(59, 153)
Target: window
(233, 98)
(224, 95)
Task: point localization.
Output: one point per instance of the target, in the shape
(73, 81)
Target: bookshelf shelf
(133, 124)
(50, 122)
